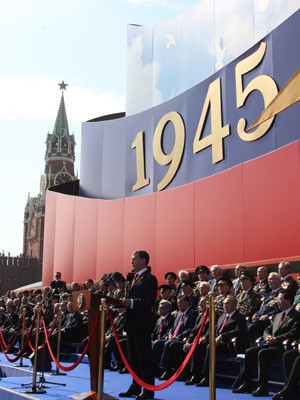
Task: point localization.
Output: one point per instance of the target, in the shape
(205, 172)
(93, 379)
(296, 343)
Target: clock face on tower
(62, 177)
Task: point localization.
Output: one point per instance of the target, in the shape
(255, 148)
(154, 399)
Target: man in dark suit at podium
(139, 323)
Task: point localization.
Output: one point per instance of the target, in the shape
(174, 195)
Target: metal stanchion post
(22, 337)
(34, 387)
(212, 347)
(101, 353)
(57, 372)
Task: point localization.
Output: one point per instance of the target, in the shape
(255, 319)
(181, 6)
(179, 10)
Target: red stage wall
(245, 214)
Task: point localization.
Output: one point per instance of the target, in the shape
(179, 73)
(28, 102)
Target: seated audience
(170, 278)
(269, 307)
(288, 282)
(236, 283)
(231, 324)
(183, 324)
(165, 293)
(187, 289)
(183, 275)
(291, 363)
(203, 288)
(223, 287)
(248, 301)
(56, 283)
(262, 285)
(216, 272)
(165, 320)
(285, 325)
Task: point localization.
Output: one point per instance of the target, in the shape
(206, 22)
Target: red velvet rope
(71, 367)
(13, 341)
(176, 374)
(22, 351)
(48, 334)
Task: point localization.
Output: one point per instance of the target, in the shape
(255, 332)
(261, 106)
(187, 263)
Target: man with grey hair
(216, 272)
(183, 275)
(165, 320)
(203, 288)
(269, 307)
(288, 282)
(236, 283)
(262, 285)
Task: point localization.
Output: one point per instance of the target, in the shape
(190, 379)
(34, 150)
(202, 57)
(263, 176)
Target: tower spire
(61, 126)
(63, 86)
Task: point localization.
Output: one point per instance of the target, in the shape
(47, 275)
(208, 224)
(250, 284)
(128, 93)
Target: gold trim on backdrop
(288, 95)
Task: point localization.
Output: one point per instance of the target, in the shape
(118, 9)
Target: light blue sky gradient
(43, 42)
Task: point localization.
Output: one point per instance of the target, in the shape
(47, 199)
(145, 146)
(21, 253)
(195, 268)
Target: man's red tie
(224, 324)
(178, 326)
(160, 328)
(136, 275)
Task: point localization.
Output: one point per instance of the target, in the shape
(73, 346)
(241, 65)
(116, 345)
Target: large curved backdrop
(160, 180)
(176, 54)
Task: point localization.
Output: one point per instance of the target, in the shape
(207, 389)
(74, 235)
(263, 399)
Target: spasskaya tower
(59, 168)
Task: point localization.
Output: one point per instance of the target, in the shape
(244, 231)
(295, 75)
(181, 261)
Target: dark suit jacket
(288, 329)
(139, 319)
(73, 321)
(167, 325)
(11, 321)
(188, 322)
(235, 327)
(120, 324)
(55, 284)
(213, 284)
(196, 328)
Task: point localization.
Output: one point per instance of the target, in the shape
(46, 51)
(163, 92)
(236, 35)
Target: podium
(87, 300)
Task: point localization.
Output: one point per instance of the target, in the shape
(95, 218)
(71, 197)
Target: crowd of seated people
(247, 308)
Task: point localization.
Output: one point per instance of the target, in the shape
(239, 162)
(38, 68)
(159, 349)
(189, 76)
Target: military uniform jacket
(262, 287)
(289, 283)
(219, 300)
(248, 302)
(269, 305)
(236, 287)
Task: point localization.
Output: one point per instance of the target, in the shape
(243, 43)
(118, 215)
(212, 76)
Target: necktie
(224, 324)
(160, 328)
(281, 318)
(178, 326)
(136, 275)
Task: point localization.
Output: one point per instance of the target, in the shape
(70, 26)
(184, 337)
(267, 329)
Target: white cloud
(237, 34)
(175, 5)
(36, 97)
(143, 76)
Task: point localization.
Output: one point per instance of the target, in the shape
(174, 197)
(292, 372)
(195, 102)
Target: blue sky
(84, 43)
(43, 42)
